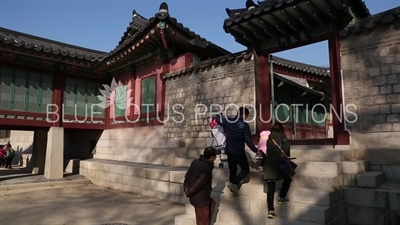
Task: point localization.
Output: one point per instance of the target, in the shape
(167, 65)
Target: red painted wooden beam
(341, 135)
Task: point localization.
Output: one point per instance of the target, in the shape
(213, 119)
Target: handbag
(286, 166)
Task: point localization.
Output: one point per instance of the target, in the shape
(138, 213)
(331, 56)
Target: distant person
(10, 153)
(237, 134)
(271, 169)
(197, 186)
(2, 157)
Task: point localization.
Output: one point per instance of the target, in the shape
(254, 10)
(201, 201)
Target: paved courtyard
(84, 205)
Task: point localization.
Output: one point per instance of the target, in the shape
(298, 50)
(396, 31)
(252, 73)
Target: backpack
(11, 153)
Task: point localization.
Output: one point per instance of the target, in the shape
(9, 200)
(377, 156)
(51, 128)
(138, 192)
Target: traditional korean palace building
(136, 116)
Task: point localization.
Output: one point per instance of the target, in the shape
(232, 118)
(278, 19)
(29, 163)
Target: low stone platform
(27, 180)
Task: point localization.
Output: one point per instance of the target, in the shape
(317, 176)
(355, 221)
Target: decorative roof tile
(28, 41)
(371, 22)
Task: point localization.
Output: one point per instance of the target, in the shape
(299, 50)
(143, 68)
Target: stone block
(319, 181)
(177, 176)
(160, 186)
(176, 189)
(349, 180)
(155, 174)
(370, 179)
(366, 216)
(136, 182)
(73, 166)
(305, 167)
(116, 169)
(392, 173)
(181, 162)
(376, 198)
(354, 167)
(84, 172)
(394, 200)
(135, 172)
(97, 166)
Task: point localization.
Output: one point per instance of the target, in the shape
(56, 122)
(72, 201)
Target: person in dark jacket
(270, 163)
(237, 134)
(197, 186)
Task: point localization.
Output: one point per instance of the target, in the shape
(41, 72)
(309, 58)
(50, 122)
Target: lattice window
(33, 92)
(284, 111)
(69, 96)
(20, 90)
(47, 92)
(120, 100)
(100, 108)
(80, 98)
(6, 76)
(148, 94)
(319, 116)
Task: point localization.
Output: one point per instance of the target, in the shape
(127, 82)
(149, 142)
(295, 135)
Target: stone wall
(138, 144)
(371, 78)
(202, 93)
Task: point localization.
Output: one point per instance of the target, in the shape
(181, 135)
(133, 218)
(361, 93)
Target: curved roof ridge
(371, 22)
(63, 44)
(299, 63)
(138, 21)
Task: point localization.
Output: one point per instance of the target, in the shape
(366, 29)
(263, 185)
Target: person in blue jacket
(237, 135)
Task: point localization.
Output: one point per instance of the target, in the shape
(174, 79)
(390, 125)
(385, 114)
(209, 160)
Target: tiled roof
(296, 81)
(246, 55)
(136, 25)
(167, 18)
(371, 22)
(28, 41)
(135, 28)
(321, 71)
(237, 16)
(211, 62)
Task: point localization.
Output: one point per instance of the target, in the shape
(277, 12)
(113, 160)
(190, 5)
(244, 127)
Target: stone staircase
(316, 194)
(327, 180)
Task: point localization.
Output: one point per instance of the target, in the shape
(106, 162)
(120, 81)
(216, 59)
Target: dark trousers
(2, 161)
(282, 194)
(8, 162)
(233, 162)
(204, 214)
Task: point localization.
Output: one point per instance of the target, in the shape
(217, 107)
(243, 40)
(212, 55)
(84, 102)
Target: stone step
(323, 155)
(387, 196)
(152, 180)
(293, 211)
(354, 166)
(190, 220)
(370, 179)
(295, 194)
(169, 152)
(307, 167)
(318, 181)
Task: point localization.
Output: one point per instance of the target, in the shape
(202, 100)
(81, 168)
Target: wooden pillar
(131, 116)
(57, 101)
(340, 135)
(263, 93)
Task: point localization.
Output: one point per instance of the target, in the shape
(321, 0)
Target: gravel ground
(84, 205)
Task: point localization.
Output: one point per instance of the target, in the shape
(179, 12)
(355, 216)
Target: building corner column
(340, 134)
(54, 168)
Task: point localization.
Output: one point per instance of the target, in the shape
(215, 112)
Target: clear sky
(99, 24)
